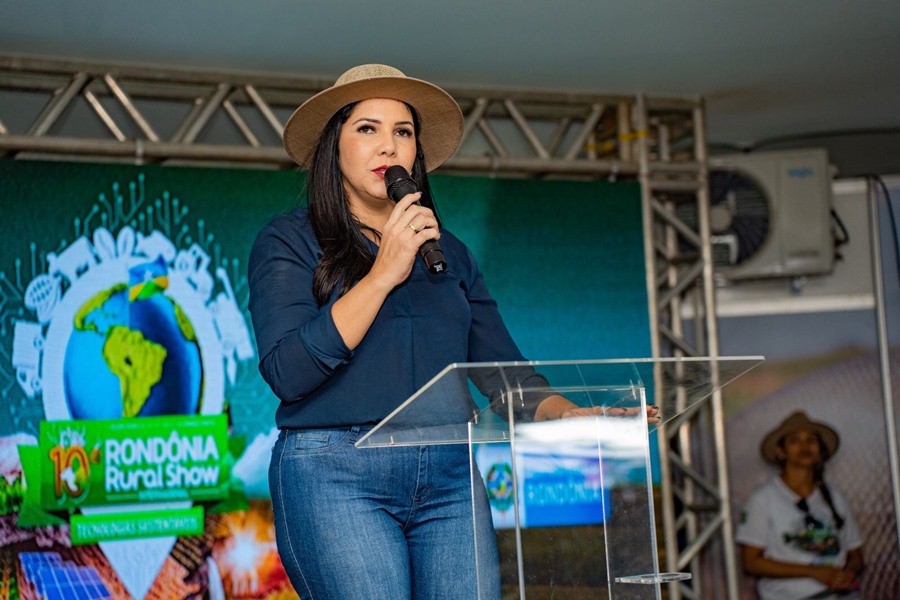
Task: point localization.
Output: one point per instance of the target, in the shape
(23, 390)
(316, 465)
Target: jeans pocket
(301, 441)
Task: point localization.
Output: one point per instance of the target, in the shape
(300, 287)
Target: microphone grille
(395, 174)
(398, 182)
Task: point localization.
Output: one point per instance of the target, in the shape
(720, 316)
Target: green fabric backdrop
(563, 259)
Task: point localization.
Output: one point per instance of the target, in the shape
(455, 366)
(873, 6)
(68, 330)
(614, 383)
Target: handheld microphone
(399, 184)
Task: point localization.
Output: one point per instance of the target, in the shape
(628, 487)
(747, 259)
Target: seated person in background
(797, 534)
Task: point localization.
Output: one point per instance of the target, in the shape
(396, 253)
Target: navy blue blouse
(425, 324)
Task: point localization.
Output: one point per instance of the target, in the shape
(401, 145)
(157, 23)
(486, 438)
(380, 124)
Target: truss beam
(162, 115)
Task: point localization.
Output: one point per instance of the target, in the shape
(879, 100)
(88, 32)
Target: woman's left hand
(612, 411)
(560, 407)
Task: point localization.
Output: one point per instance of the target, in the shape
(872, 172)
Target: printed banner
(96, 463)
(124, 327)
(146, 524)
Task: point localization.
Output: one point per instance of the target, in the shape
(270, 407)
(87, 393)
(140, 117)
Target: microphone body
(399, 184)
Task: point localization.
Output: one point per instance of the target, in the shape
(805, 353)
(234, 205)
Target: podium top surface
(468, 402)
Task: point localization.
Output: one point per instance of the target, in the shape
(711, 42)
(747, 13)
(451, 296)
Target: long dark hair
(346, 256)
(819, 481)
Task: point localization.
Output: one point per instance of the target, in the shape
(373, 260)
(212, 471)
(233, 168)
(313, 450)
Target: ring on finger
(414, 228)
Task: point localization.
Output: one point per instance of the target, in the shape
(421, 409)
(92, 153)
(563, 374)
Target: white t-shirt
(772, 521)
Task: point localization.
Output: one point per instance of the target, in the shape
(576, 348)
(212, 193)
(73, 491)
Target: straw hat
(441, 121)
(799, 420)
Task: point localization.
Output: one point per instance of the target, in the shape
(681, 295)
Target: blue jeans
(380, 523)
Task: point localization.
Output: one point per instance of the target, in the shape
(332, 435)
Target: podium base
(653, 579)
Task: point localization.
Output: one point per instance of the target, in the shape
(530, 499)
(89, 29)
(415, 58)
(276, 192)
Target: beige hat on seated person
(799, 420)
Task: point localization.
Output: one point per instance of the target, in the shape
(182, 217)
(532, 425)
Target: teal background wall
(563, 259)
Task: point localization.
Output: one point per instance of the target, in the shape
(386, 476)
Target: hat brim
(440, 126)
(829, 438)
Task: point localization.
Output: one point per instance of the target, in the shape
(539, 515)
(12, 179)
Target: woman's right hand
(409, 226)
(356, 310)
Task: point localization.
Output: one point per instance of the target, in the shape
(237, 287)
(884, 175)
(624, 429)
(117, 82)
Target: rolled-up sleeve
(299, 345)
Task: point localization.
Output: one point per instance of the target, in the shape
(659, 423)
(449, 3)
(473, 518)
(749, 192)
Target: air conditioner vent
(770, 214)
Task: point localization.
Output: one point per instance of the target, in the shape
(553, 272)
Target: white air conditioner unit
(770, 214)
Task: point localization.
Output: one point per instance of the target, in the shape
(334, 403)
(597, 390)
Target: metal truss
(145, 115)
(694, 479)
(165, 115)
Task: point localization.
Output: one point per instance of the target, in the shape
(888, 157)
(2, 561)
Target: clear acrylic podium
(572, 499)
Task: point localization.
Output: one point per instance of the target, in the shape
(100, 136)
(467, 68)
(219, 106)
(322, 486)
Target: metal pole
(729, 549)
(884, 350)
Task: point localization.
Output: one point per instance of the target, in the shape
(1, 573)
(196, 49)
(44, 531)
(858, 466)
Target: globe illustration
(132, 353)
